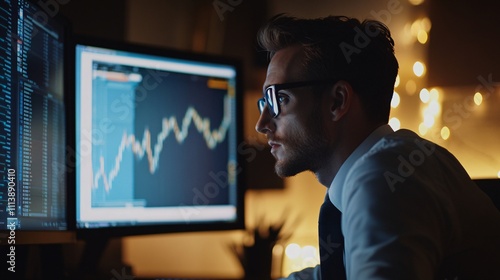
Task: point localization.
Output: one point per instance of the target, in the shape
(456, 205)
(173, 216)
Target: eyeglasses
(271, 99)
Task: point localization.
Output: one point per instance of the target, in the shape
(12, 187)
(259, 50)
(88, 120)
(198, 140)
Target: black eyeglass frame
(271, 94)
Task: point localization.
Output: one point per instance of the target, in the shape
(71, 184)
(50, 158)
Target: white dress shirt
(410, 211)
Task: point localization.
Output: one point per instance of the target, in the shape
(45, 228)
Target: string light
(298, 257)
(416, 2)
(422, 129)
(292, 251)
(434, 108)
(418, 69)
(395, 123)
(415, 27)
(422, 36)
(425, 95)
(478, 98)
(434, 94)
(429, 120)
(395, 100)
(445, 133)
(426, 24)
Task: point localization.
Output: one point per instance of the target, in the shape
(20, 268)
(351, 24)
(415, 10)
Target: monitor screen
(33, 191)
(156, 137)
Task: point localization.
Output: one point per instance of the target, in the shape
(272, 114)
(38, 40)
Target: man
(397, 206)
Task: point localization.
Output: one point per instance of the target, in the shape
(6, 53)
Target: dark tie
(331, 242)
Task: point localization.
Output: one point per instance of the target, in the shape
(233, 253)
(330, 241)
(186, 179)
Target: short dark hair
(341, 48)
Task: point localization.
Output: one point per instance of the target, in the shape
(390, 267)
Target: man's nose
(264, 123)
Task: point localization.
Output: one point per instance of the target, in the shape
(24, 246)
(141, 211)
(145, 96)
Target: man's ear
(340, 98)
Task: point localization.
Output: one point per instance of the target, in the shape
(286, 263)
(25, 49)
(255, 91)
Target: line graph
(154, 139)
(145, 148)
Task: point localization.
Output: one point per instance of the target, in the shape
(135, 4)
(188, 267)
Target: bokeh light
(395, 100)
(425, 95)
(445, 133)
(478, 98)
(395, 123)
(416, 2)
(292, 251)
(418, 69)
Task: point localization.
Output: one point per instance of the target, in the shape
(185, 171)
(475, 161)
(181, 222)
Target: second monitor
(156, 140)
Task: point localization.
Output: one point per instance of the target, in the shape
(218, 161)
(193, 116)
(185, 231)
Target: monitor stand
(91, 257)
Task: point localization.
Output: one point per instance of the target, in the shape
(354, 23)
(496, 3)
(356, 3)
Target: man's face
(296, 136)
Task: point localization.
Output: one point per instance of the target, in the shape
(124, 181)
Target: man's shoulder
(401, 142)
(401, 152)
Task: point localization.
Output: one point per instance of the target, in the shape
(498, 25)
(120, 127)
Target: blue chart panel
(108, 157)
(161, 137)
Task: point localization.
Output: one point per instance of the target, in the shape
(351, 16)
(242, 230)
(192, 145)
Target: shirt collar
(335, 190)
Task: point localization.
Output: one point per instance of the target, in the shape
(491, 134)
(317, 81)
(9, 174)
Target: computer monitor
(157, 136)
(33, 189)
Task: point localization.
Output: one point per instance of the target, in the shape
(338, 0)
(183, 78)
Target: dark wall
(464, 42)
(105, 19)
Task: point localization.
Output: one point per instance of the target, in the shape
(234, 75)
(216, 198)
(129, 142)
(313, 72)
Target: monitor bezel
(192, 226)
